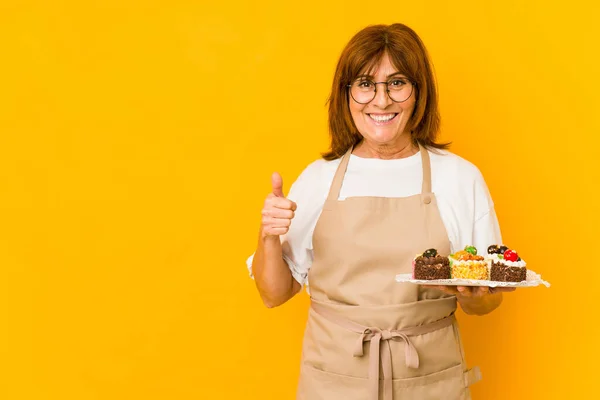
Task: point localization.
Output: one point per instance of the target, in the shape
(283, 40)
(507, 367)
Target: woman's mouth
(383, 119)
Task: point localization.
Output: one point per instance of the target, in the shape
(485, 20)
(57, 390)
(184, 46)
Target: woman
(353, 220)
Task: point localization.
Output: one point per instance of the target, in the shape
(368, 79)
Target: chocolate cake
(430, 265)
(506, 265)
(504, 273)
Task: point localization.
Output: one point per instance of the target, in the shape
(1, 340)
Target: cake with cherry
(505, 264)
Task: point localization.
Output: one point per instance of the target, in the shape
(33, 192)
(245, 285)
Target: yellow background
(137, 139)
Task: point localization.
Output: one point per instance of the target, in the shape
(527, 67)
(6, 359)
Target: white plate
(531, 280)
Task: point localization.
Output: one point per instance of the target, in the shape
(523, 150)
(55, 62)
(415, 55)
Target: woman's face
(373, 119)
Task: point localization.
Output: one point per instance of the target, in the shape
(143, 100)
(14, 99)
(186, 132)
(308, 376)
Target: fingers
(277, 212)
(272, 231)
(476, 291)
(276, 222)
(465, 291)
(446, 289)
(472, 291)
(503, 289)
(279, 202)
(275, 226)
(480, 291)
(274, 212)
(485, 290)
(277, 184)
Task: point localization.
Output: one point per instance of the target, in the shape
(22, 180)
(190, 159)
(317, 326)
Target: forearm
(480, 305)
(272, 275)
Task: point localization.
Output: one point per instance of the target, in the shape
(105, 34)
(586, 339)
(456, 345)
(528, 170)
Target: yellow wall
(137, 139)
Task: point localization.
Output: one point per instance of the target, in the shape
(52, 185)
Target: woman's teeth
(382, 117)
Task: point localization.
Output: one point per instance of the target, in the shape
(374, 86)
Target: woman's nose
(382, 99)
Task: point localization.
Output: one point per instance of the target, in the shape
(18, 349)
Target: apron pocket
(448, 384)
(316, 384)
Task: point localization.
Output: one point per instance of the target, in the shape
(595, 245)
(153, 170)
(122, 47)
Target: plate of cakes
(500, 266)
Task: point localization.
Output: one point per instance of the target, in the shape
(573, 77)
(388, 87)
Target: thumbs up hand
(277, 212)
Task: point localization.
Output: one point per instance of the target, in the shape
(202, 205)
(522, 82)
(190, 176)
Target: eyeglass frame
(413, 83)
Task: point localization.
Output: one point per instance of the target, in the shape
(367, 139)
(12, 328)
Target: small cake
(430, 265)
(466, 264)
(505, 264)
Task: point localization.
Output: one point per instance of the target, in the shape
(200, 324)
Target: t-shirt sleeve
(486, 229)
(308, 194)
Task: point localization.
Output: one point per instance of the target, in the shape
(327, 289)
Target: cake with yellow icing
(467, 264)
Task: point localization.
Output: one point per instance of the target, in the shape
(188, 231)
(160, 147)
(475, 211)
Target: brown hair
(364, 51)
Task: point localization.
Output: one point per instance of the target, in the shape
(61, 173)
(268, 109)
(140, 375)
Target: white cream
(496, 258)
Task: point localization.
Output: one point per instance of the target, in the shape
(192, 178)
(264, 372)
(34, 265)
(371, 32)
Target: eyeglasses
(363, 90)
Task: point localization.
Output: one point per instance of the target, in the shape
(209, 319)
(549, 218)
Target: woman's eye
(397, 82)
(364, 84)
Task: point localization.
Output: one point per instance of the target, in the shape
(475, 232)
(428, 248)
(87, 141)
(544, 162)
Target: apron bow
(376, 336)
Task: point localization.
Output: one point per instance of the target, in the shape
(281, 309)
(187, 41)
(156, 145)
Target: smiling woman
(396, 61)
(354, 219)
(382, 116)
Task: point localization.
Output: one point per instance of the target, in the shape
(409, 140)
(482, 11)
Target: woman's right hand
(277, 212)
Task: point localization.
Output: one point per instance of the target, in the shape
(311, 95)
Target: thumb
(277, 184)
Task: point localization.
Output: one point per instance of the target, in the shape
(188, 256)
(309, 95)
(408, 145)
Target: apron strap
(426, 188)
(338, 179)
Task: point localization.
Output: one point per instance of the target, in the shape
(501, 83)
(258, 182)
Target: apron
(368, 337)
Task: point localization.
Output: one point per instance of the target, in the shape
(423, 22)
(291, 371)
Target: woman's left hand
(478, 300)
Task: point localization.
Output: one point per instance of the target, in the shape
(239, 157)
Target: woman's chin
(383, 136)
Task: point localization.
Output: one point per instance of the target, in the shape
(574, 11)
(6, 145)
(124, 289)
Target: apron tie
(376, 355)
(376, 336)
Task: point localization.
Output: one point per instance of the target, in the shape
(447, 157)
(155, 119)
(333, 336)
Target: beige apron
(367, 336)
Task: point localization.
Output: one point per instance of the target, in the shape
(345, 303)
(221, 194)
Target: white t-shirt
(464, 202)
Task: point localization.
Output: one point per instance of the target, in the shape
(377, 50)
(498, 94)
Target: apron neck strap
(426, 187)
(336, 185)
